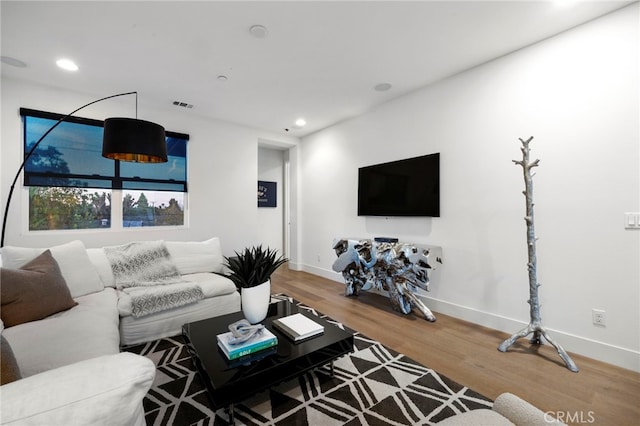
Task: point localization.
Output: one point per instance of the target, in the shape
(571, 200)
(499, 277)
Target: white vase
(255, 302)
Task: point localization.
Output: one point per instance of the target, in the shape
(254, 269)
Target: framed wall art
(267, 192)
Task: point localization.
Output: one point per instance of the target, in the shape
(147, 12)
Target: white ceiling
(320, 60)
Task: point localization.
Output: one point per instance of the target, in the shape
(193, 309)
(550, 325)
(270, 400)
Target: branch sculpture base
(535, 326)
(538, 330)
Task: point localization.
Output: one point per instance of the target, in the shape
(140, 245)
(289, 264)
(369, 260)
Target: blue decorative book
(263, 339)
(251, 358)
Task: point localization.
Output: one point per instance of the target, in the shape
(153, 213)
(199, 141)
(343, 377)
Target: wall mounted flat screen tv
(409, 187)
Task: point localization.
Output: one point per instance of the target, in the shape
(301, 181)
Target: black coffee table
(229, 382)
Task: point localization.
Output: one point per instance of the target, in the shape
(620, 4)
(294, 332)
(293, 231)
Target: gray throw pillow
(34, 291)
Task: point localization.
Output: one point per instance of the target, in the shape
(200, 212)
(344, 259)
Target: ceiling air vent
(182, 104)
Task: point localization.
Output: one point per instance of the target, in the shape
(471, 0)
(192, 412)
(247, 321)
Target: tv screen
(409, 187)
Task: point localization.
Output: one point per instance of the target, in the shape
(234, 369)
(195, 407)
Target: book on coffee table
(263, 339)
(251, 358)
(298, 327)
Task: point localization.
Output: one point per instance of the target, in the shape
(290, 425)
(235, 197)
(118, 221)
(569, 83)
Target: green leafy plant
(253, 266)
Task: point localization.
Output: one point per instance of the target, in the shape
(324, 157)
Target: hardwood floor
(600, 394)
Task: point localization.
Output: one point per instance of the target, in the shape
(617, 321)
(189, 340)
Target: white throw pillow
(73, 260)
(191, 257)
(102, 265)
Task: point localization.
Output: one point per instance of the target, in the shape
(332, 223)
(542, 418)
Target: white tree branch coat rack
(535, 326)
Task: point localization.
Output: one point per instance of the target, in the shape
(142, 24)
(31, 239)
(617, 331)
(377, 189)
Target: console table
(395, 268)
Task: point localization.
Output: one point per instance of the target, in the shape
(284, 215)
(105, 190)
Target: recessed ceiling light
(222, 78)
(13, 62)
(258, 31)
(382, 87)
(301, 122)
(67, 64)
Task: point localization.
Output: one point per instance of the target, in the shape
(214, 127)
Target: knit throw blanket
(145, 271)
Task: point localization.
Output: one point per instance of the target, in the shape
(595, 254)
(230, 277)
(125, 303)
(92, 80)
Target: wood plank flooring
(600, 394)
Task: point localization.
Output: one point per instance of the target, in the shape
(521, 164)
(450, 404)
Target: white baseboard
(621, 357)
(296, 267)
(616, 355)
(324, 273)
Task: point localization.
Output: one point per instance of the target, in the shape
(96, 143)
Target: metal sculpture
(395, 268)
(535, 326)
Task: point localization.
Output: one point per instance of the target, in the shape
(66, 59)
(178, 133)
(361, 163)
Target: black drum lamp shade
(129, 139)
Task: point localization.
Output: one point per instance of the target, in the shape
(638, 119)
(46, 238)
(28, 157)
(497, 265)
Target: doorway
(272, 216)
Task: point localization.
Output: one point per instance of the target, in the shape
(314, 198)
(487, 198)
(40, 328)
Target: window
(71, 186)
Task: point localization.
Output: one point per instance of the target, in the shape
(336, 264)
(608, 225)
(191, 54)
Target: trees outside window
(157, 209)
(68, 208)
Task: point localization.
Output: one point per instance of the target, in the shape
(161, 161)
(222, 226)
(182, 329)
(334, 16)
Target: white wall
(577, 94)
(222, 170)
(271, 219)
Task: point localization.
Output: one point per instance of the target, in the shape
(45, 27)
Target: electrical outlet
(318, 258)
(598, 317)
(632, 220)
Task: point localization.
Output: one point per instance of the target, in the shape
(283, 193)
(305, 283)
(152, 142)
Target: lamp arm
(31, 151)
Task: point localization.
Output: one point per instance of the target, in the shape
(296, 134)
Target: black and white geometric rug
(374, 385)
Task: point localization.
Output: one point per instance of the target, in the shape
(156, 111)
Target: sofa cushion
(9, 371)
(192, 257)
(34, 291)
(169, 323)
(212, 285)
(75, 265)
(88, 330)
(106, 390)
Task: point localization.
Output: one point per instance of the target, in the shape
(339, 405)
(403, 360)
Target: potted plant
(251, 272)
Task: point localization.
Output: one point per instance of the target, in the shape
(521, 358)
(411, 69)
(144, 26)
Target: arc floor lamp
(124, 139)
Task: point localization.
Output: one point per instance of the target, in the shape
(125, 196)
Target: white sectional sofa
(71, 368)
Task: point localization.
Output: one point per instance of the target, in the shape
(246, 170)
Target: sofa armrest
(479, 417)
(107, 390)
(522, 413)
